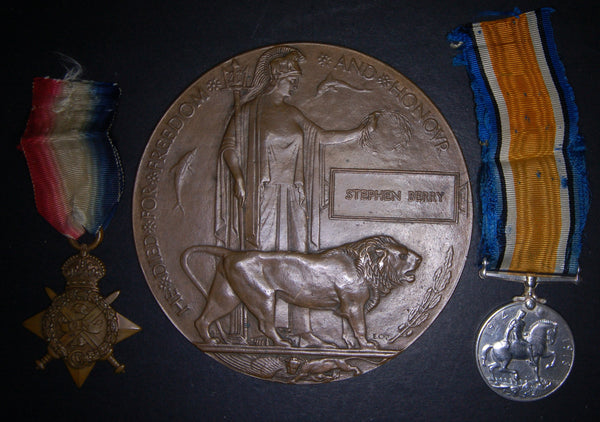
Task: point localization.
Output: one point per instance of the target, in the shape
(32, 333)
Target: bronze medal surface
(302, 213)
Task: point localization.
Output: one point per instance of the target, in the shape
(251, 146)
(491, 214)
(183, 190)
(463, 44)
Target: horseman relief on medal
(524, 354)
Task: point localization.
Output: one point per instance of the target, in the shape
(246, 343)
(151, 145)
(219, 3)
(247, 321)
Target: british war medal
(534, 196)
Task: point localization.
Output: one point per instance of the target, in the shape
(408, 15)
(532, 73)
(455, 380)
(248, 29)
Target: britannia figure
(268, 183)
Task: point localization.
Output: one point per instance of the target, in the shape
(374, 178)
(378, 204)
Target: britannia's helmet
(285, 66)
(273, 64)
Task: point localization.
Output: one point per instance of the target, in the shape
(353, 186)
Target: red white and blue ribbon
(75, 169)
(533, 184)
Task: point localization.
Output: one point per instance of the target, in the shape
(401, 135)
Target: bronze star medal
(77, 177)
(80, 325)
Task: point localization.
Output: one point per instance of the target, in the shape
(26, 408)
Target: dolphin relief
(181, 170)
(330, 84)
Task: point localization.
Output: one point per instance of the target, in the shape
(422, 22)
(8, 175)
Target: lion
(348, 280)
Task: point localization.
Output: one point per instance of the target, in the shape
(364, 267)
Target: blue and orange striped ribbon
(75, 169)
(534, 190)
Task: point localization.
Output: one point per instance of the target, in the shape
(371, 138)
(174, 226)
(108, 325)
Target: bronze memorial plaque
(302, 213)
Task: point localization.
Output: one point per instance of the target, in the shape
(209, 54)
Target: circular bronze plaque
(302, 213)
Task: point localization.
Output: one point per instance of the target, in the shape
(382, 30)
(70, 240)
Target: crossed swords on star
(82, 329)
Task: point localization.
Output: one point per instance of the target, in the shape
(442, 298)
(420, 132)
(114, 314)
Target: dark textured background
(154, 50)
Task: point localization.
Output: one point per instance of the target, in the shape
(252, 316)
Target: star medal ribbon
(78, 181)
(534, 195)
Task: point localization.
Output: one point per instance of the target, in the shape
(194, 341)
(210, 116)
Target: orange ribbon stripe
(532, 144)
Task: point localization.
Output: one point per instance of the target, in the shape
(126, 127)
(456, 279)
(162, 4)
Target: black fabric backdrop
(154, 50)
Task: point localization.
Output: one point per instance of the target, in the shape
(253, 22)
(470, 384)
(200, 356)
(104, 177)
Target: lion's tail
(212, 250)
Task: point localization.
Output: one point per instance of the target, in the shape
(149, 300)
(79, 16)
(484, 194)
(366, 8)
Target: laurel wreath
(432, 297)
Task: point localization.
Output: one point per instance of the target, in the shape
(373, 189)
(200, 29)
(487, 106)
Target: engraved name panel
(394, 196)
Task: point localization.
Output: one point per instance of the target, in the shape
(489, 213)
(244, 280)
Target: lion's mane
(371, 267)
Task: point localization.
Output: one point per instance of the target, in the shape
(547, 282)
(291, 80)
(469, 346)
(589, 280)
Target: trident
(235, 77)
